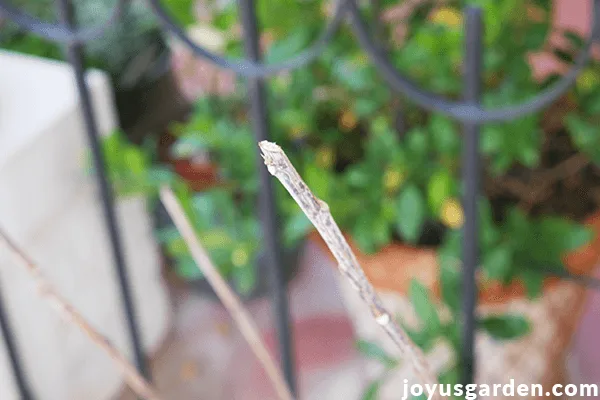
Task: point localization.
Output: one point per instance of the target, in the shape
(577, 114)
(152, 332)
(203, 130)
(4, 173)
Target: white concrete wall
(50, 205)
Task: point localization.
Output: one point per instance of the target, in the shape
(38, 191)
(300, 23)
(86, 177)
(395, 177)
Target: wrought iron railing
(468, 111)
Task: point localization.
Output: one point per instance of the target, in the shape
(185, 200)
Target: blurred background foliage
(389, 170)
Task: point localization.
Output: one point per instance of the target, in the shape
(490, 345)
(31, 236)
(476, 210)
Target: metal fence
(468, 111)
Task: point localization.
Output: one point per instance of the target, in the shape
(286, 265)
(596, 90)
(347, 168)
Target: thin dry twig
(566, 168)
(233, 304)
(318, 213)
(137, 383)
(536, 190)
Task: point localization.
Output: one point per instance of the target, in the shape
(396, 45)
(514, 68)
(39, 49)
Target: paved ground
(206, 358)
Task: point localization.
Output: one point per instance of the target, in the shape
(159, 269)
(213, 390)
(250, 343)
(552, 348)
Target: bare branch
(137, 383)
(318, 212)
(233, 304)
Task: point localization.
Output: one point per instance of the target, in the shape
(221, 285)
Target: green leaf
(185, 197)
(364, 240)
(111, 147)
(492, 138)
(585, 134)
(505, 327)
(533, 283)
(187, 269)
(380, 126)
(283, 15)
(181, 11)
(244, 278)
(422, 338)
(529, 156)
(577, 236)
(450, 281)
(556, 236)
(288, 46)
(296, 228)
(438, 190)
(580, 236)
(416, 140)
(365, 106)
(375, 352)
(134, 160)
(358, 176)
(489, 231)
(424, 307)
(501, 163)
(317, 180)
(498, 263)
(216, 238)
(575, 39)
(371, 231)
(452, 244)
(352, 75)
(550, 80)
(381, 231)
(166, 235)
(159, 176)
(452, 333)
(564, 56)
(444, 135)
(410, 213)
(294, 118)
(451, 376)
(176, 247)
(536, 36)
(592, 104)
(372, 391)
(516, 222)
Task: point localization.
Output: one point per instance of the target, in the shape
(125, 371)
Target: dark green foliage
(336, 119)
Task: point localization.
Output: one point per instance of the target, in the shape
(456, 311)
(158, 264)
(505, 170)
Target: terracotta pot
(537, 358)
(395, 265)
(199, 175)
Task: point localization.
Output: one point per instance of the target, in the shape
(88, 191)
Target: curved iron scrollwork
(464, 111)
(467, 111)
(248, 68)
(61, 33)
(461, 111)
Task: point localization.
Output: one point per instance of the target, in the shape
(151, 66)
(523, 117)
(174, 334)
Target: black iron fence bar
(74, 52)
(470, 176)
(266, 198)
(13, 354)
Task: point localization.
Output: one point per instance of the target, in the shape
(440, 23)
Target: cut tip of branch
(271, 152)
(269, 147)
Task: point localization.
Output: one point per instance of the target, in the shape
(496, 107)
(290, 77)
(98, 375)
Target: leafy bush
(390, 170)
